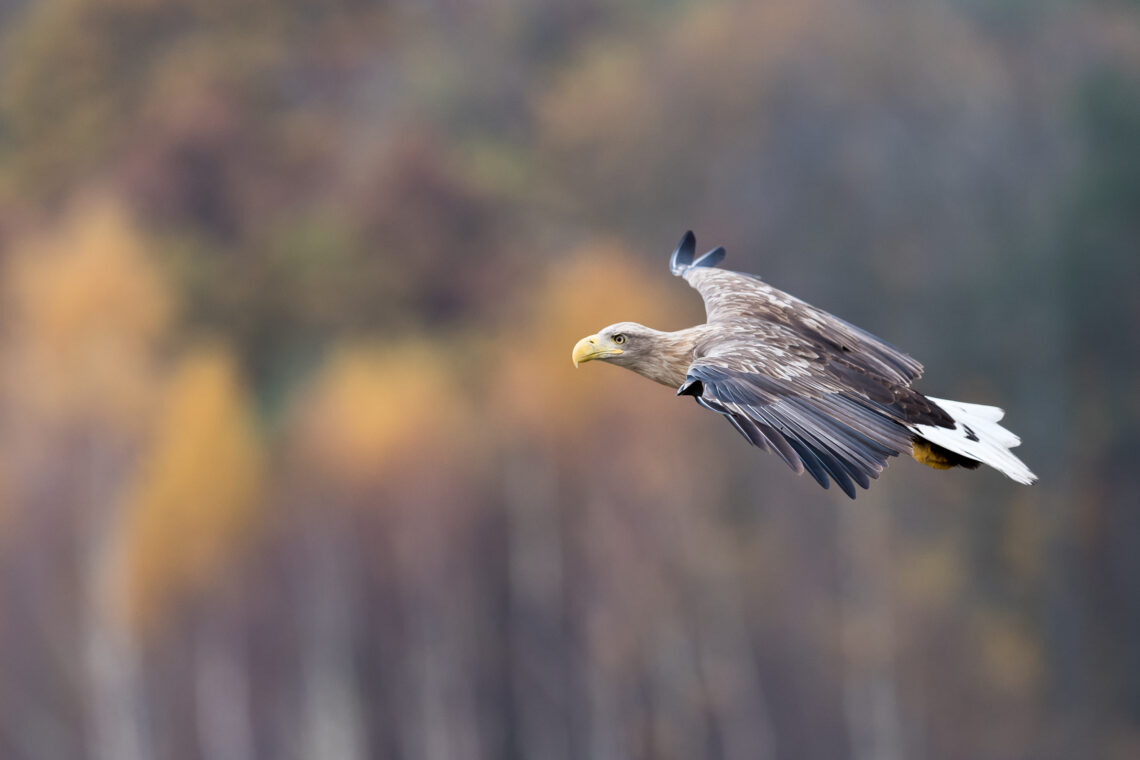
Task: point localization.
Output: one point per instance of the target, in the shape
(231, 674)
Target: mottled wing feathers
(733, 296)
(812, 425)
(822, 394)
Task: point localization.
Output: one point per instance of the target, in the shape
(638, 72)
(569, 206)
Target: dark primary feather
(683, 254)
(710, 258)
(825, 430)
(682, 259)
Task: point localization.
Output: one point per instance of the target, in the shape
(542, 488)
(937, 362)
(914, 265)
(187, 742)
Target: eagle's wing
(782, 398)
(823, 394)
(733, 296)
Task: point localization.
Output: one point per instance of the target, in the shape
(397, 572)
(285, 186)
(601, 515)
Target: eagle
(823, 395)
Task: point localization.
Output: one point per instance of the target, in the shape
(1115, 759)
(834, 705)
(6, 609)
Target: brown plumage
(823, 395)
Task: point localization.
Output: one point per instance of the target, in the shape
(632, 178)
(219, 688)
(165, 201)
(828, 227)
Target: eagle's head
(660, 356)
(624, 344)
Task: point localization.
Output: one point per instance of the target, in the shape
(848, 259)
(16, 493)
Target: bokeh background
(294, 463)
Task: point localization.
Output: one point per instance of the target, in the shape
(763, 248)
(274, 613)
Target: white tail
(978, 436)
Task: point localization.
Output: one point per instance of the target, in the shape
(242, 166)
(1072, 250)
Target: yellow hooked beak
(593, 347)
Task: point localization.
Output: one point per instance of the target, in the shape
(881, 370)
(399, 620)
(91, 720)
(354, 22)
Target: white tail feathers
(978, 436)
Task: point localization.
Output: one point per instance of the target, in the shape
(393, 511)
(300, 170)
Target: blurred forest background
(294, 463)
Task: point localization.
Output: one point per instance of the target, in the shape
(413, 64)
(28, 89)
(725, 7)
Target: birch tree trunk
(221, 691)
(115, 701)
(537, 603)
(332, 723)
(869, 686)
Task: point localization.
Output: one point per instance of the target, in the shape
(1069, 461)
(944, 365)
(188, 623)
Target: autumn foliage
(294, 462)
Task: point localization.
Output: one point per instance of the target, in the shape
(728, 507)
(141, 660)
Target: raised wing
(735, 297)
(821, 393)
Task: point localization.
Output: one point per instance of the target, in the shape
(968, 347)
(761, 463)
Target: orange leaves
(87, 307)
(620, 442)
(194, 500)
(536, 384)
(374, 411)
(91, 279)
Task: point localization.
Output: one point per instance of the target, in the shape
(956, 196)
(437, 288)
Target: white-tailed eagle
(822, 394)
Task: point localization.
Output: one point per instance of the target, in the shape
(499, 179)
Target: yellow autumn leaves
(86, 309)
(94, 349)
(194, 496)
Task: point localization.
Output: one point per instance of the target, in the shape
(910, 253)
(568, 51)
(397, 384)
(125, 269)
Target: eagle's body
(824, 395)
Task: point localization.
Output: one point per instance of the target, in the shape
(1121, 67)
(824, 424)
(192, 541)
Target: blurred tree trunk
(869, 686)
(726, 668)
(537, 602)
(115, 699)
(331, 725)
(221, 690)
(441, 699)
(729, 677)
(605, 713)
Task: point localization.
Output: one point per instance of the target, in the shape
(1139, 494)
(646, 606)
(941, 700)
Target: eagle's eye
(619, 338)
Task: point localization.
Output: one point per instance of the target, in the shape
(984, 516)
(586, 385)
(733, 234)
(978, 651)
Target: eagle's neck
(673, 352)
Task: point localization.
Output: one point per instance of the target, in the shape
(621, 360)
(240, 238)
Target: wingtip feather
(683, 254)
(710, 259)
